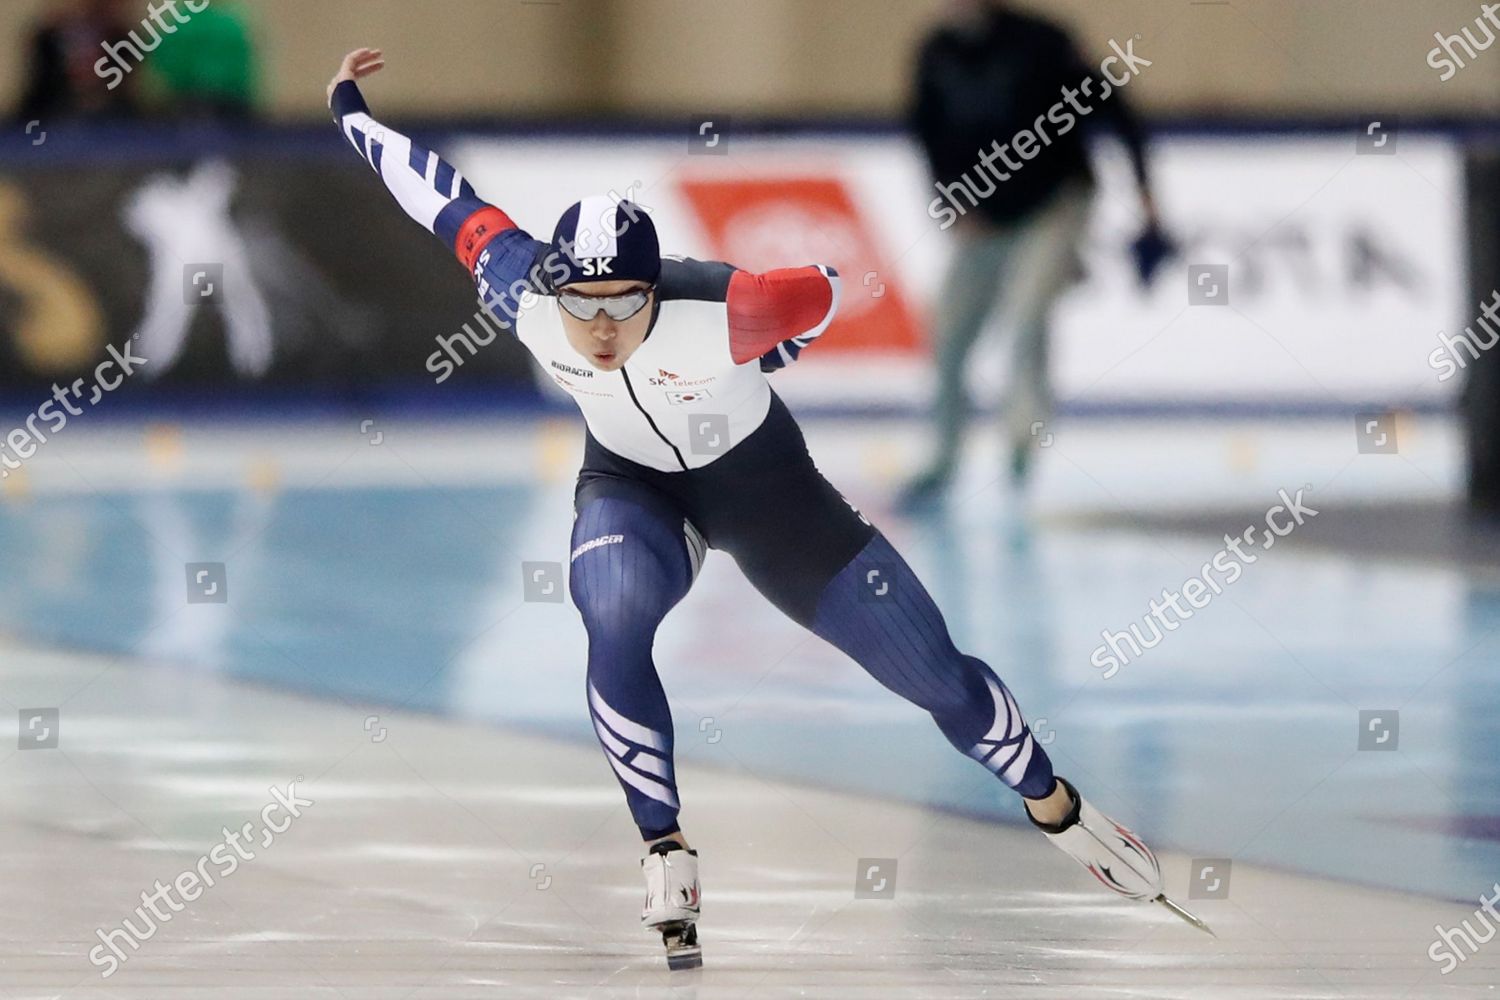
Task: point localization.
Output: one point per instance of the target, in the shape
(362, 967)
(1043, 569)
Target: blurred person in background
(209, 67)
(61, 80)
(986, 75)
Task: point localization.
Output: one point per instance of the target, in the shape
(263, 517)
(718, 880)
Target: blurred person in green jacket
(209, 67)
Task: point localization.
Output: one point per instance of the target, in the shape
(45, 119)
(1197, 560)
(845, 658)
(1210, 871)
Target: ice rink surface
(466, 838)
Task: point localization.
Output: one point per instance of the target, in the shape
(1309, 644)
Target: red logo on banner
(761, 225)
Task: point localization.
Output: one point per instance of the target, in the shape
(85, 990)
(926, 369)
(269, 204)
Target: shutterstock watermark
(23, 441)
(227, 857)
(1446, 951)
(1447, 361)
(1446, 58)
(1028, 142)
(522, 294)
(114, 67)
(1119, 648)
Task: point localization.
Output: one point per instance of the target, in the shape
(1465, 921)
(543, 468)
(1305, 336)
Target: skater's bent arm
(426, 186)
(773, 316)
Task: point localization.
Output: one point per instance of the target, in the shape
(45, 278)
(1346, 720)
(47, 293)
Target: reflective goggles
(617, 307)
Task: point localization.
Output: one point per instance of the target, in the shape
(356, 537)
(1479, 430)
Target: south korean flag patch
(678, 397)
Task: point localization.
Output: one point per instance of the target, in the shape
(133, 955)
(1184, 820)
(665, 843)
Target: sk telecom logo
(676, 381)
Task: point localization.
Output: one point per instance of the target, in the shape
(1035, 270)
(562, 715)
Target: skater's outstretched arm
(426, 186)
(773, 316)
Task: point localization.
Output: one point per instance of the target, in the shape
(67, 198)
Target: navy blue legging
(636, 549)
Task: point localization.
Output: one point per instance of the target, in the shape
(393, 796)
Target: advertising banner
(1310, 275)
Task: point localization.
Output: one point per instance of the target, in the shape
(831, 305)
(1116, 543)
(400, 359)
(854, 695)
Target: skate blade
(683, 950)
(1182, 912)
(683, 959)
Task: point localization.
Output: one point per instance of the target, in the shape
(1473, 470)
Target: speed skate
(1113, 854)
(673, 899)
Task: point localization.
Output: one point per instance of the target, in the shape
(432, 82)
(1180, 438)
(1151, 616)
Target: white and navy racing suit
(689, 449)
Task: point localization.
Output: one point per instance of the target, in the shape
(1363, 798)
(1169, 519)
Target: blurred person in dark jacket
(995, 90)
(61, 76)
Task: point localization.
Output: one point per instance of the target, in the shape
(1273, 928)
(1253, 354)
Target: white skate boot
(672, 902)
(1114, 855)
